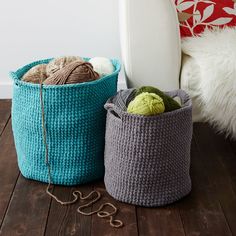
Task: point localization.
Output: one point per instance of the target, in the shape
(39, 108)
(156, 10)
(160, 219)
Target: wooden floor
(210, 209)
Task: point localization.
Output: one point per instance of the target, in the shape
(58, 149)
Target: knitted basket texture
(147, 158)
(75, 122)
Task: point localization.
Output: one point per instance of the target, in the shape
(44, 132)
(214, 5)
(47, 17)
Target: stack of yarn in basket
(147, 101)
(69, 70)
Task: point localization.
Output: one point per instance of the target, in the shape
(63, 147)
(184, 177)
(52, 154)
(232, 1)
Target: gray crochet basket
(147, 158)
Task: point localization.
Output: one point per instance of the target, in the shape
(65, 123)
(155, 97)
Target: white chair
(150, 42)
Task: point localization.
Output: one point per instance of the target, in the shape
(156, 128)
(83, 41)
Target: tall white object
(150, 43)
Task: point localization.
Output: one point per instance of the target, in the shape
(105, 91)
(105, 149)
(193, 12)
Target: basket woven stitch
(147, 158)
(75, 124)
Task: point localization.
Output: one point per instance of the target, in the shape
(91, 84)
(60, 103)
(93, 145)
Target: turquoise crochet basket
(75, 124)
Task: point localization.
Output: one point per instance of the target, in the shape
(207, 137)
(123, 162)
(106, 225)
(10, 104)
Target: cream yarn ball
(102, 65)
(60, 62)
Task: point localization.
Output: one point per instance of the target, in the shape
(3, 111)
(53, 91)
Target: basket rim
(17, 75)
(187, 106)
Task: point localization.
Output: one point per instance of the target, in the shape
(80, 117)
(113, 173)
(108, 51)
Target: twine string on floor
(77, 195)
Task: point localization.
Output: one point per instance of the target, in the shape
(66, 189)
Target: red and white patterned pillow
(196, 15)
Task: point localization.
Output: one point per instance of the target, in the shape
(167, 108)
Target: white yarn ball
(103, 66)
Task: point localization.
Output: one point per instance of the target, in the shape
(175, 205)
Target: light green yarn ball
(147, 104)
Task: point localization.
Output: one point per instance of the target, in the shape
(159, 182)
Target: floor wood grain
(210, 208)
(9, 171)
(63, 220)
(5, 113)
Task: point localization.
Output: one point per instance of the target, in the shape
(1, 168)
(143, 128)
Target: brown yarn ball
(35, 74)
(60, 62)
(75, 72)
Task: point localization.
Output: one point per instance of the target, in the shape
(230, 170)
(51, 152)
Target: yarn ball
(75, 72)
(103, 66)
(60, 62)
(146, 104)
(35, 74)
(170, 103)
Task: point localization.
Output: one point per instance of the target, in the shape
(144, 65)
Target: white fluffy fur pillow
(215, 53)
(189, 81)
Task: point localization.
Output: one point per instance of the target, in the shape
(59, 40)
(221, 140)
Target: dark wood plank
(159, 221)
(126, 213)
(65, 220)
(28, 209)
(8, 169)
(221, 169)
(5, 112)
(233, 144)
(201, 211)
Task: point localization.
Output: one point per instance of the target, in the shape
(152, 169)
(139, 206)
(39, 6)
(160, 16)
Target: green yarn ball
(147, 104)
(170, 103)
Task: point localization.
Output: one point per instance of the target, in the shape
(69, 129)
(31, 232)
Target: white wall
(32, 30)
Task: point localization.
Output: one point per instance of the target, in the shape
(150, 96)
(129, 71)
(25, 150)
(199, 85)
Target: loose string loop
(77, 195)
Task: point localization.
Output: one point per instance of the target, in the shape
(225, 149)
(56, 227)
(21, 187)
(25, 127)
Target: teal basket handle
(14, 77)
